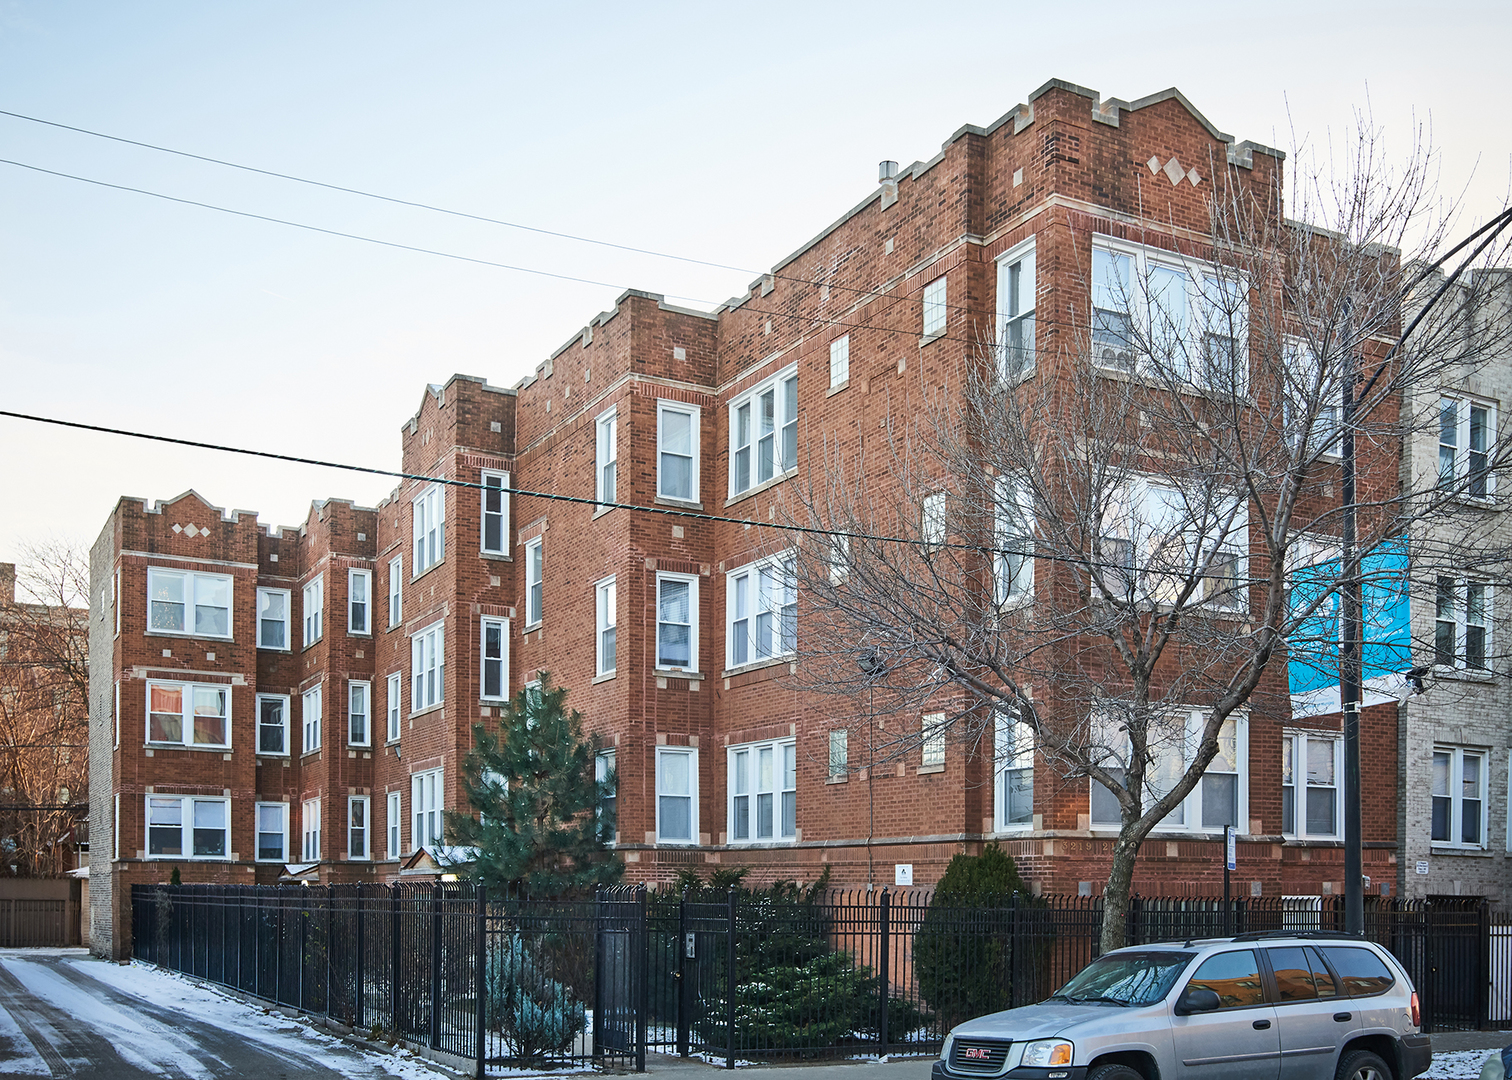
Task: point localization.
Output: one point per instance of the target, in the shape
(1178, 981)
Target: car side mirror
(1197, 999)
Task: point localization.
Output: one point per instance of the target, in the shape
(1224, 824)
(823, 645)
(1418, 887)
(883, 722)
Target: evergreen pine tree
(530, 778)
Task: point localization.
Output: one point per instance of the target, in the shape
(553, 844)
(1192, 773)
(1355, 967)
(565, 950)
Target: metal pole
(640, 952)
(435, 989)
(730, 984)
(480, 978)
(1350, 673)
(883, 978)
(357, 1005)
(684, 1001)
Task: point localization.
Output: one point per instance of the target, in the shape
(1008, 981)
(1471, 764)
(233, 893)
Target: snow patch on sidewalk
(1457, 1065)
(26, 1061)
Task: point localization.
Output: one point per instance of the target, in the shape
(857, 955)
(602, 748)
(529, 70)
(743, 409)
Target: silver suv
(1292, 1006)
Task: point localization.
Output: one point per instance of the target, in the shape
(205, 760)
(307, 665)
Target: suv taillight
(1417, 1015)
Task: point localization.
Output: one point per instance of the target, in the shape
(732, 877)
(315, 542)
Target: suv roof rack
(1260, 935)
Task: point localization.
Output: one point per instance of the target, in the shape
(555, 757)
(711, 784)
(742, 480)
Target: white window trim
(393, 706)
(257, 831)
(366, 577)
(116, 715)
(420, 807)
(365, 686)
(749, 578)
(1462, 624)
(1299, 790)
(839, 361)
(190, 619)
(779, 749)
(116, 830)
(1131, 517)
(932, 740)
(186, 827)
(535, 575)
(1143, 260)
(1461, 469)
(692, 796)
(933, 523)
(1012, 588)
(396, 591)
(1457, 755)
(1191, 806)
(394, 824)
(309, 831)
(288, 621)
(605, 618)
(1007, 318)
(502, 625)
(428, 529)
(1012, 743)
(781, 420)
(694, 415)
(936, 311)
(312, 609)
(484, 476)
(309, 726)
(186, 716)
(1324, 434)
(435, 636)
(288, 739)
(692, 580)
(367, 828)
(605, 764)
(839, 753)
(605, 454)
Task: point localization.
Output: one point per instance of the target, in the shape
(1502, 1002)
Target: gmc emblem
(980, 1053)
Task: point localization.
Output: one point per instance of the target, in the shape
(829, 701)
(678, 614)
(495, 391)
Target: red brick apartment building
(268, 697)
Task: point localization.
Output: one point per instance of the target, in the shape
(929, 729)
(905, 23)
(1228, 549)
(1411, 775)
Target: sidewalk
(676, 1068)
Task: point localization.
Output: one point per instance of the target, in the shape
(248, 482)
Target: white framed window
(185, 827)
(1013, 561)
(1311, 764)
(535, 560)
(606, 775)
(493, 634)
(273, 618)
(115, 604)
(1459, 797)
(115, 831)
(394, 691)
(1221, 797)
(394, 821)
(309, 822)
(396, 591)
(272, 832)
(360, 602)
(1015, 303)
(606, 457)
(273, 724)
(359, 827)
(116, 714)
(677, 451)
(310, 706)
(429, 529)
(428, 667)
(1013, 773)
(314, 605)
(763, 788)
(761, 610)
(606, 617)
(677, 622)
(1467, 434)
(676, 795)
(425, 803)
(180, 602)
(764, 432)
(839, 752)
(188, 714)
(932, 519)
(934, 307)
(840, 361)
(1154, 312)
(1461, 623)
(1312, 404)
(932, 745)
(839, 558)
(1154, 540)
(495, 523)
(359, 713)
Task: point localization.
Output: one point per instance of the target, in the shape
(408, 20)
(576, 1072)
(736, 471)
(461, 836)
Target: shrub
(536, 1015)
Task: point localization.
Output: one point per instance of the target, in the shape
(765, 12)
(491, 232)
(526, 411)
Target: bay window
(1013, 772)
(425, 802)
(188, 827)
(677, 451)
(606, 457)
(360, 602)
(761, 610)
(273, 618)
(676, 795)
(1459, 797)
(359, 712)
(605, 620)
(314, 603)
(764, 432)
(1015, 304)
(428, 667)
(272, 831)
(189, 714)
(1221, 797)
(494, 641)
(429, 521)
(495, 512)
(677, 622)
(181, 602)
(273, 724)
(763, 788)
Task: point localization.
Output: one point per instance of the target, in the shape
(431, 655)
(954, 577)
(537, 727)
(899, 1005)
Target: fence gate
(619, 1014)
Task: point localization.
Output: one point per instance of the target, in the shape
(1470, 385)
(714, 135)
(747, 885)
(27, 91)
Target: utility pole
(1350, 669)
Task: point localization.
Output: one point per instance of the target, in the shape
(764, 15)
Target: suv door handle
(1343, 1018)
(1261, 1025)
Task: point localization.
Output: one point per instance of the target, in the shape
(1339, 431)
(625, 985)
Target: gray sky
(730, 133)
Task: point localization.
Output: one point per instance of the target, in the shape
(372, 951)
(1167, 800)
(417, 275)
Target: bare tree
(1103, 551)
(44, 710)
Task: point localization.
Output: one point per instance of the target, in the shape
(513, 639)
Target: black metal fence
(751, 975)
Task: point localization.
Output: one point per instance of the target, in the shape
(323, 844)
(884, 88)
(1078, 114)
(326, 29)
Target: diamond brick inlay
(1154, 164)
(1194, 176)
(1174, 172)
(178, 528)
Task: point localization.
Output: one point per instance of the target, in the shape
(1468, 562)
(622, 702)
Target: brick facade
(1058, 170)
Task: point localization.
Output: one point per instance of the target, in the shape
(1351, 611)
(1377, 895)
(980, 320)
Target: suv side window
(1363, 972)
(1294, 975)
(1233, 976)
(1322, 977)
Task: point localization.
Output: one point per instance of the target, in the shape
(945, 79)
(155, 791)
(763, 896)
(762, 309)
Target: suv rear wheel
(1362, 1065)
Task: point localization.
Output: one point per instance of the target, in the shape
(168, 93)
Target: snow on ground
(273, 1031)
(1457, 1064)
(23, 1059)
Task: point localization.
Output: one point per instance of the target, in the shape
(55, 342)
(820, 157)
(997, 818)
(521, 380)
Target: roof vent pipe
(886, 170)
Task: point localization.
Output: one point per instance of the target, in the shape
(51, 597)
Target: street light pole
(1350, 669)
